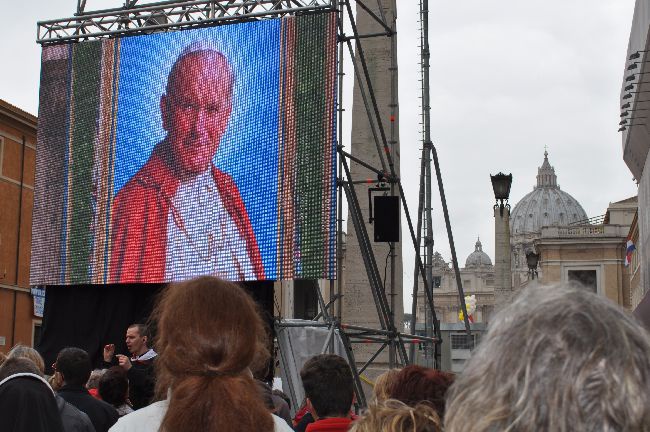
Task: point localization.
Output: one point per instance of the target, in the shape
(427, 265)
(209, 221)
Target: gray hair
(558, 359)
(22, 351)
(93, 379)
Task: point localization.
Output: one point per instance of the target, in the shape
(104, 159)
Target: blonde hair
(383, 383)
(394, 416)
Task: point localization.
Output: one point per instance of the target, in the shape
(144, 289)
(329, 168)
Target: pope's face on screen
(196, 108)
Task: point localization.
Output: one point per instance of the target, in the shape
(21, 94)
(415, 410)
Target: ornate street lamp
(532, 259)
(501, 185)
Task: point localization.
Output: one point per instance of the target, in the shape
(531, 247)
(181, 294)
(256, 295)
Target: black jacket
(28, 404)
(101, 414)
(74, 420)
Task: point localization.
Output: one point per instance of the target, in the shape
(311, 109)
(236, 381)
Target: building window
(436, 282)
(460, 341)
(584, 278)
(36, 332)
(467, 284)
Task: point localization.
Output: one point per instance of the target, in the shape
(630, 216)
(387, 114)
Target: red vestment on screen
(140, 215)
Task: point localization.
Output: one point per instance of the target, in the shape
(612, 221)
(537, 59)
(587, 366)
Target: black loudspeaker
(386, 218)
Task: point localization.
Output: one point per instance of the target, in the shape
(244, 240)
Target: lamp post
(501, 185)
(532, 259)
(502, 262)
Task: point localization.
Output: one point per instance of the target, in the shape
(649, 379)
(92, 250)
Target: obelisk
(358, 304)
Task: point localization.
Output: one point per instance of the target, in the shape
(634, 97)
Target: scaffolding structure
(425, 220)
(134, 18)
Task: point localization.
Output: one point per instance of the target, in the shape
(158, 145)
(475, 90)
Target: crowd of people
(556, 359)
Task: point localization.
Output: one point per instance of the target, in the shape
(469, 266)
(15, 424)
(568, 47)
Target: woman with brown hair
(209, 333)
(417, 384)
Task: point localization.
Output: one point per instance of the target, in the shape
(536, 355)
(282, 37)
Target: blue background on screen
(248, 149)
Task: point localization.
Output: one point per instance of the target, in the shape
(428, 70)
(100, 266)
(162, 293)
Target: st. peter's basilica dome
(546, 205)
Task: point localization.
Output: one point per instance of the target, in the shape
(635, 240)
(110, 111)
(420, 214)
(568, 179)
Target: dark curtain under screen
(91, 316)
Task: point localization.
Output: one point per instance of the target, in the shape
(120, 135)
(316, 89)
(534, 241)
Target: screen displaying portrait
(208, 151)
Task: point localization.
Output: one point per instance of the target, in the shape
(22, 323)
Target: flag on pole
(630, 249)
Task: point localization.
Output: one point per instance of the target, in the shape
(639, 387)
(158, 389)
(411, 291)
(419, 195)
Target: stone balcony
(582, 231)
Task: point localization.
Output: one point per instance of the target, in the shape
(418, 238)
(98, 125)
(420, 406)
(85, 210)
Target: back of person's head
(327, 380)
(558, 359)
(383, 383)
(208, 333)
(95, 376)
(28, 353)
(74, 365)
(3, 357)
(113, 386)
(394, 416)
(27, 402)
(15, 365)
(416, 384)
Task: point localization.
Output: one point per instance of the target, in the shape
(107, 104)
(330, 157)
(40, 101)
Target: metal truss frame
(424, 224)
(388, 335)
(134, 18)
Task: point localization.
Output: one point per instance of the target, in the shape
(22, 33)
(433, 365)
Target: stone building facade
(592, 255)
(477, 278)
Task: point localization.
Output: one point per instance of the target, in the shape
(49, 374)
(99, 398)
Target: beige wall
(605, 255)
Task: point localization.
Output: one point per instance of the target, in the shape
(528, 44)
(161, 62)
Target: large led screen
(167, 156)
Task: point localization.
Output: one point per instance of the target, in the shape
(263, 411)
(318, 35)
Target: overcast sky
(507, 78)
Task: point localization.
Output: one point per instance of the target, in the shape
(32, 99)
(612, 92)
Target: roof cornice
(13, 112)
